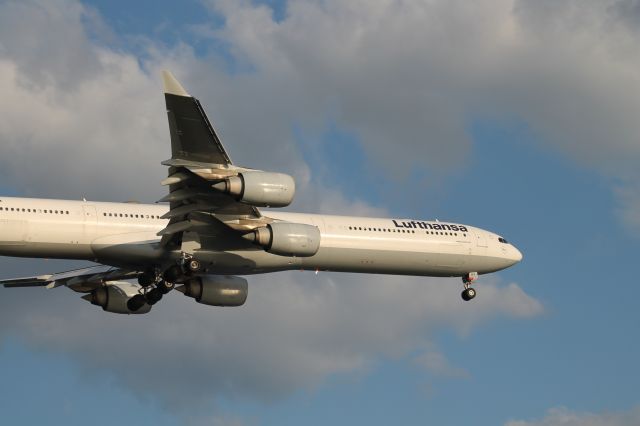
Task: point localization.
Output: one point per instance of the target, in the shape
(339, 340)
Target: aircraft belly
(246, 262)
(131, 247)
(13, 232)
(48, 250)
(397, 262)
(31, 239)
(373, 261)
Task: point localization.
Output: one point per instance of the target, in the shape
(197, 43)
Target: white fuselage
(124, 234)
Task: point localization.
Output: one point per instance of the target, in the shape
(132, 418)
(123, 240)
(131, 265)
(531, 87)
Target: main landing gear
(155, 284)
(469, 293)
(153, 288)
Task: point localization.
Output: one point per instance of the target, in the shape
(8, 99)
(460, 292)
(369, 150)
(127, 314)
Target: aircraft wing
(83, 280)
(198, 161)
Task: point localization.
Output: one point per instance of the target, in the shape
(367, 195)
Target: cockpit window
(502, 240)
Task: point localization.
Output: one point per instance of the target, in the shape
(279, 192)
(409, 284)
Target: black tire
(164, 287)
(173, 274)
(153, 296)
(145, 279)
(471, 293)
(136, 302)
(468, 294)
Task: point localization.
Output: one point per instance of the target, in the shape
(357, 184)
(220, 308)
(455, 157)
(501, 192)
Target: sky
(516, 116)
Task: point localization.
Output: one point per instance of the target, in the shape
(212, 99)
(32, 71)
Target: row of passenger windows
(48, 211)
(66, 212)
(131, 215)
(405, 231)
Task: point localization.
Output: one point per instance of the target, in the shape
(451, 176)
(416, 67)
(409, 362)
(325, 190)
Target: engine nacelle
(260, 189)
(217, 290)
(287, 239)
(114, 295)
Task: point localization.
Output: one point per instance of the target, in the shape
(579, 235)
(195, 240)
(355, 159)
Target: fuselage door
(90, 221)
(89, 214)
(481, 239)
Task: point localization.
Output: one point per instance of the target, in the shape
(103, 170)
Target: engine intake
(217, 290)
(260, 189)
(113, 297)
(287, 239)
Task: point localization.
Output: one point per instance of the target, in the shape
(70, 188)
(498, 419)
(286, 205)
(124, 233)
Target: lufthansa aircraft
(209, 230)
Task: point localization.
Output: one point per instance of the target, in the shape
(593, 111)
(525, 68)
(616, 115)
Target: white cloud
(409, 77)
(436, 363)
(407, 88)
(628, 198)
(296, 330)
(564, 417)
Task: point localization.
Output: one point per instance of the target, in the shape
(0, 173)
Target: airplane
(208, 232)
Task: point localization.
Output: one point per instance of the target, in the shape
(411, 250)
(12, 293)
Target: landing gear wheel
(468, 294)
(153, 296)
(173, 274)
(136, 302)
(194, 265)
(146, 278)
(164, 287)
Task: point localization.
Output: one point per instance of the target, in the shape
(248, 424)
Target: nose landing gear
(469, 293)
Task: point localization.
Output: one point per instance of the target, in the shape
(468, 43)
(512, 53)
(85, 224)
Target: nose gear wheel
(469, 293)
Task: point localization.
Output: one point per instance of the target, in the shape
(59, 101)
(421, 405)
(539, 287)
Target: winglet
(172, 86)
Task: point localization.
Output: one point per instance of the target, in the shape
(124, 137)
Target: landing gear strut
(469, 293)
(155, 284)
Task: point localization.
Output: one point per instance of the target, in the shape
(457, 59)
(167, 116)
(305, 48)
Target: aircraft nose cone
(516, 255)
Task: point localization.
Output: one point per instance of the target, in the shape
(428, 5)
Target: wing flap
(198, 161)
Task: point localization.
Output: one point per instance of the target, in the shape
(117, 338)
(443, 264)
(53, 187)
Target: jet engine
(260, 189)
(216, 290)
(287, 239)
(114, 295)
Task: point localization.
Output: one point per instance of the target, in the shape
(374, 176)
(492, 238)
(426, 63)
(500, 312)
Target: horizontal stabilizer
(93, 275)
